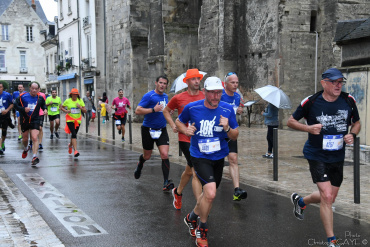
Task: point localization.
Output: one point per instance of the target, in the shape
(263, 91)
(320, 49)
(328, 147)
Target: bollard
(98, 123)
(113, 129)
(87, 123)
(356, 170)
(275, 152)
(180, 153)
(130, 128)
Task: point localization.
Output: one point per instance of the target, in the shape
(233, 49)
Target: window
(61, 56)
(23, 59)
(47, 64)
(88, 39)
(70, 47)
(313, 21)
(69, 7)
(4, 32)
(2, 59)
(61, 9)
(29, 33)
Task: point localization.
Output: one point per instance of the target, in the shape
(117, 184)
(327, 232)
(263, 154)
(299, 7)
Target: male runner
(120, 116)
(53, 104)
(6, 104)
(15, 96)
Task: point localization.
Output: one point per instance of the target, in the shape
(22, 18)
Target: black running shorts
(30, 126)
(185, 149)
(323, 172)
(122, 119)
(53, 117)
(148, 142)
(208, 171)
(233, 146)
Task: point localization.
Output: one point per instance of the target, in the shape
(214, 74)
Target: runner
(73, 107)
(230, 96)
(329, 113)
(42, 119)
(6, 104)
(179, 101)
(154, 129)
(53, 103)
(212, 122)
(29, 105)
(15, 96)
(120, 116)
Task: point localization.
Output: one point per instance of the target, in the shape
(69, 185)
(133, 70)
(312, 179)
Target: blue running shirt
(207, 123)
(5, 101)
(234, 100)
(29, 101)
(154, 120)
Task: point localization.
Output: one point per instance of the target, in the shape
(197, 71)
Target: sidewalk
(256, 171)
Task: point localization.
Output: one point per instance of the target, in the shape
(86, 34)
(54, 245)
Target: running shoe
(177, 199)
(24, 154)
(168, 185)
(1, 152)
(20, 137)
(201, 237)
(119, 132)
(35, 161)
(41, 147)
(334, 243)
(297, 210)
(268, 156)
(191, 224)
(239, 194)
(69, 148)
(51, 136)
(56, 135)
(137, 172)
(3, 146)
(76, 154)
(123, 139)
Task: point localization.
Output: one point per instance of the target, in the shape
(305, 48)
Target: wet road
(94, 200)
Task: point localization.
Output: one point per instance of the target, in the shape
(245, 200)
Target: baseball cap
(332, 74)
(213, 83)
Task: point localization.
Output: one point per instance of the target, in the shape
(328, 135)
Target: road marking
(74, 219)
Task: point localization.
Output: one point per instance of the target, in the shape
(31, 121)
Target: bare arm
(143, 111)
(167, 116)
(355, 129)
(312, 129)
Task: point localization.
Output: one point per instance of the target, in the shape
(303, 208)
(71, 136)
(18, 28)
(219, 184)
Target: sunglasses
(231, 73)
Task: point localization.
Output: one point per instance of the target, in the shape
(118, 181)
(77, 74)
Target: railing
(23, 69)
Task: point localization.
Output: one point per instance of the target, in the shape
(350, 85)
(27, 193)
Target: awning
(66, 77)
(88, 81)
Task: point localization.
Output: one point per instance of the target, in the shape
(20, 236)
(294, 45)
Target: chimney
(33, 5)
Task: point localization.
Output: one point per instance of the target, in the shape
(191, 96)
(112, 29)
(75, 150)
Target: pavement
(255, 172)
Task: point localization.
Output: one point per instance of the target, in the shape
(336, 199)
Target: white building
(21, 55)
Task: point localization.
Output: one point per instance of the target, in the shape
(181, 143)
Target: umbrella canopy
(275, 96)
(178, 83)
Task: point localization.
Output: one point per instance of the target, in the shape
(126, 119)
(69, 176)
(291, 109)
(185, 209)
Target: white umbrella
(275, 96)
(178, 83)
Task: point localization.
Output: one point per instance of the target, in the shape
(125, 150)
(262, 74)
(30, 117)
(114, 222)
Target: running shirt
(209, 134)
(179, 101)
(15, 95)
(335, 117)
(44, 96)
(234, 100)
(154, 120)
(5, 101)
(35, 103)
(75, 111)
(121, 105)
(53, 109)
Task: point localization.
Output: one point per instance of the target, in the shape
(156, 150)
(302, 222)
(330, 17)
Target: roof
(4, 4)
(352, 29)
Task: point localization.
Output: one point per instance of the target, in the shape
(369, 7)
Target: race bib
(75, 110)
(209, 145)
(118, 122)
(31, 106)
(2, 109)
(155, 134)
(332, 142)
(54, 109)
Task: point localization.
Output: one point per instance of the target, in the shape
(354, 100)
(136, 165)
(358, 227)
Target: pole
(275, 152)
(87, 123)
(317, 41)
(113, 130)
(130, 128)
(98, 123)
(356, 170)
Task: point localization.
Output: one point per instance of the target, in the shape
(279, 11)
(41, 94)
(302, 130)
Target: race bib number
(54, 109)
(209, 145)
(332, 142)
(155, 134)
(75, 110)
(31, 106)
(118, 122)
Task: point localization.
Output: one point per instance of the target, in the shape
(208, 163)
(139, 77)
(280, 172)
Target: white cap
(213, 83)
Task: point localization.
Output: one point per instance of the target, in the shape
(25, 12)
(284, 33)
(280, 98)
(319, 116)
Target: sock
(34, 155)
(177, 193)
(301, 203)
(331, 238)
(193, 216)
(165, 168)
(203, 225)
(141, 160)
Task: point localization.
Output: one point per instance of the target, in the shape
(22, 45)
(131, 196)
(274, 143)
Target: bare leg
(233, 168)
(205, 200)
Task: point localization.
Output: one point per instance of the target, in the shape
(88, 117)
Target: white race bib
(2, 109)
(31, 106)
(75, 110)
(118, 122)
(54, 109)
(332, 142)
(155, 134)
(235, 109)
(209, 145)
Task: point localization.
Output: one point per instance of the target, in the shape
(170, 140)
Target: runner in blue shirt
(328, 117)
(154, 129)
(210, 123)
(230, 96)
(15, 96)
(6, 104)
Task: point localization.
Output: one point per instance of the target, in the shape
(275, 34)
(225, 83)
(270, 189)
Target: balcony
(3, 69)
(23, 70)
(86, 21)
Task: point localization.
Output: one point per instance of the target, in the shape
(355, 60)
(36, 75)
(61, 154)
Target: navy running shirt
(5, 101)
(207, 124)
(154, 120)
(234, 100)
(335, 118)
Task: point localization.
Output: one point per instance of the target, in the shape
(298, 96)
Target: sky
(50, 8)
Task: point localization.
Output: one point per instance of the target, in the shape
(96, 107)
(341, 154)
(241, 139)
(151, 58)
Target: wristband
(153, 110)
(354, 135)
(227, 131)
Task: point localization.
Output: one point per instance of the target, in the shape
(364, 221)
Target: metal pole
(113, 130)
(130, 128)
(275, 152)
(317, 41)
(356, 170)
(98, 123)
(87, 123)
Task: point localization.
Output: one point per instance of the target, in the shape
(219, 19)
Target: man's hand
(315, 129)
(158, 107)
(27, 109)
(240, 110)
(191, 130)
(349, 139)
(224, 122)
(4, 112)
(174, 128)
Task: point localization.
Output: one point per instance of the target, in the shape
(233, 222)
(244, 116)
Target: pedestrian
(6, 104)
(15, 96)
(120, 116)
(154, 129)
(328, 113)
(212, 121)
(230, 96)
(271, 115)
(105, 100)
(89, 106)
(103, 110)
(53, 104)
(73, 107)
(179, 101)
(29, 105)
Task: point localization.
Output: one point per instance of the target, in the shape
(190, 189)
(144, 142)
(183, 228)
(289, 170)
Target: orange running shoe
(77, 153)
(69, 148)
(191, 224)
(177, 199)
(201, 237)
(24, 154)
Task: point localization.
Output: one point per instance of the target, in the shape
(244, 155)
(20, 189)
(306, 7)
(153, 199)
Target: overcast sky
(50, 8)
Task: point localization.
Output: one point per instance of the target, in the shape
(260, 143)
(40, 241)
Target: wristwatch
(153, 110)
(227, 131)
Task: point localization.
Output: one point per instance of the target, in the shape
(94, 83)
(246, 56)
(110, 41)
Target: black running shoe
(51, 136)
(41, 147)
(119, 132)
(57, 134)
(239, 194)
(1, 152)
(35, 161)
(168, 185)
(297, 210)
(137, 172)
